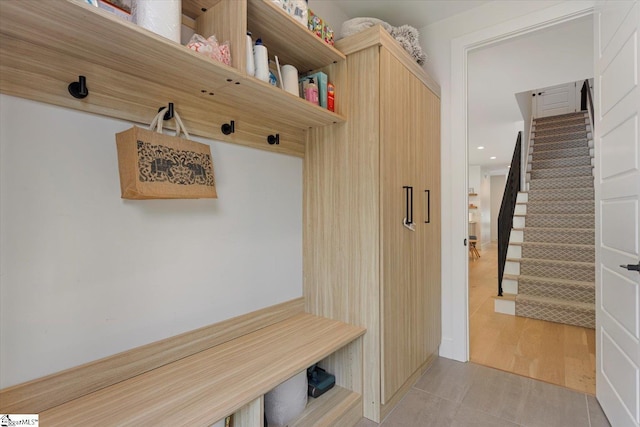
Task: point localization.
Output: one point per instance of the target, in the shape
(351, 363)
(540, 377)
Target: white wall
(490, 21)
(85, 274)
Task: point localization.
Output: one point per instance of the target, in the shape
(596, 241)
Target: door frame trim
(455, 279)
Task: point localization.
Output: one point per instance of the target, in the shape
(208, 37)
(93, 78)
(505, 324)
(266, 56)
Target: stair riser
(562, 117)
(561, 172)
(552, 221)
(504, 306)
(514, 251)
(562, 195)
(576, 143)
(572, 182)
(521, 209)
(565, 128)
(556, 208)
(511, 267)
(564, 253)
(560, 153)
(516, 236)
(568, 317)
(522, 198)
(565, 293)
(569, 237)
(510, 286)
(569, 272)
(560, 163)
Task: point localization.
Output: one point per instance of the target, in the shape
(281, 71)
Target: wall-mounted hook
(79, 89)
(169, 114)
(274, 139)
(228, 128)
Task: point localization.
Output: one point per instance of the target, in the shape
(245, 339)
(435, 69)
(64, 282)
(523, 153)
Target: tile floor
(459, 394)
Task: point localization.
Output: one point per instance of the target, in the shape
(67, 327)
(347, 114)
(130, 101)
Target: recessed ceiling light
(492, 157)
(481, 148)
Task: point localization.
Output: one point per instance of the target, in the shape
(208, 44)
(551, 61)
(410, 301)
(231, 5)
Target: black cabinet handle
(428, 221)
(408, 219)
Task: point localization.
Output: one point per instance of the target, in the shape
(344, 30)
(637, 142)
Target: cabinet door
(397, 263)
(427, 123)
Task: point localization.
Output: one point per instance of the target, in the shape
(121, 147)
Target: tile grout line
(586, 400)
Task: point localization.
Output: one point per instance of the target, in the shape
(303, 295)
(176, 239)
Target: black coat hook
(169, 114)
(228, 128)
(79, 89)
(274, 139)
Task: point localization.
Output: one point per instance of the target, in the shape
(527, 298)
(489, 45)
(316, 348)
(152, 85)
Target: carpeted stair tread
(585, 236)
(557, 145)
(559, 220)
(560, 153)
(560, 117)
(567, 128)
(561, 172)
(582, 306)
(548, 183)
(579, 264)
(572, 270)
(569, 136)
(559, 194)
(561, 162)
(560, 282)
(561, 206)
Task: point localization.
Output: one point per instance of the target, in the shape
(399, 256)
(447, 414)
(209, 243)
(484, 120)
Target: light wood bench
(199, 386)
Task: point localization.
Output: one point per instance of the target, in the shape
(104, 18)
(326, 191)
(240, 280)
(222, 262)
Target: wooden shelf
(287, 38)
(473, 194)
(328, 408)
(131, 72)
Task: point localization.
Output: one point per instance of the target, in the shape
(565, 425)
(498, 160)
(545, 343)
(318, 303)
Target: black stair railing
(587, 97)
(507, 208)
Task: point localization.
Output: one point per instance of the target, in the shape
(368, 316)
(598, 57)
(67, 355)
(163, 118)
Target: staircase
(550, 268)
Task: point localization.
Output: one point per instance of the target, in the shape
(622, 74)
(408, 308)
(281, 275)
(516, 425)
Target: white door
(555, 100)
(617, 185)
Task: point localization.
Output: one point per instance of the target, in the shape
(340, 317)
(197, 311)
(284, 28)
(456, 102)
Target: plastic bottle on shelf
(311, 92)
(331, 94)
(251, 66)
(261, 61)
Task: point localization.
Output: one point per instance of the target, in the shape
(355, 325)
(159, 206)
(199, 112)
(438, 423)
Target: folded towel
(406, 35)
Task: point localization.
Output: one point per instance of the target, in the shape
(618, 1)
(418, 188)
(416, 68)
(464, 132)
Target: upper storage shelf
(131, 72)
(288, 38)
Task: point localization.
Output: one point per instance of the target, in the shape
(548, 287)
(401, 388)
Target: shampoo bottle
(311, 92)
(261, 61)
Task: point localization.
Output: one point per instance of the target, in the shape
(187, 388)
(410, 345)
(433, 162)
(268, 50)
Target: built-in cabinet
(363, 181)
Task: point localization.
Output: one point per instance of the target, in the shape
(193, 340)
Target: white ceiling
(417, 13)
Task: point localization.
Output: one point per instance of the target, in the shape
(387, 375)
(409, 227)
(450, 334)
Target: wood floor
(551, 352)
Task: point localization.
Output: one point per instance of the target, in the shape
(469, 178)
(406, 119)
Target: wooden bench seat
(204, 387)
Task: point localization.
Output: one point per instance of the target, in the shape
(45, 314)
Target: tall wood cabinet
(363, 178)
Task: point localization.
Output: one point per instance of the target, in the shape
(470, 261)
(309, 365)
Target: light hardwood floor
(547, 351)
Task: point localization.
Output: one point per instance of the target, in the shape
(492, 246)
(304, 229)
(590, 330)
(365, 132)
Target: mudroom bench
(202, 376)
